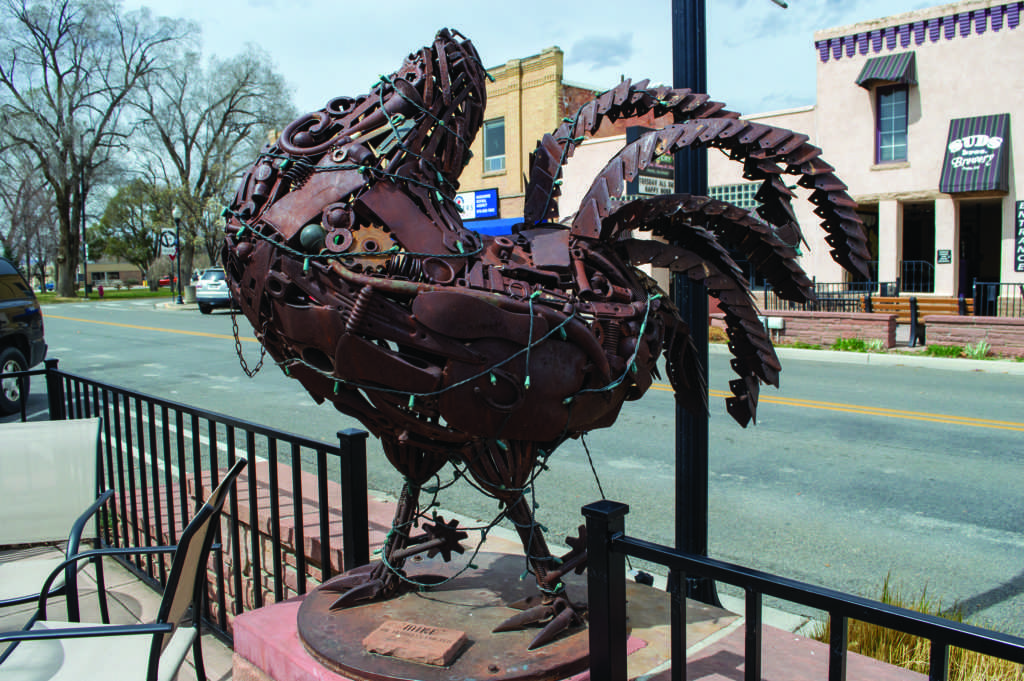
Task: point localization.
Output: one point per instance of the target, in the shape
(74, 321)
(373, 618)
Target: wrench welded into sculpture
(345, 250)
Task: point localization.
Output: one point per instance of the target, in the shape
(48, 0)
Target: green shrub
(801, 345)
(978, 351)
(859, 345)
(943, 351)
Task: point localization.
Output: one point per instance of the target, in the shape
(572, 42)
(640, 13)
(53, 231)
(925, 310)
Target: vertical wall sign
(1018, 244)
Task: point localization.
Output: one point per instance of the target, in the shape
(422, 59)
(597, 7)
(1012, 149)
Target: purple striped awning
(892, 68)
(976, 155)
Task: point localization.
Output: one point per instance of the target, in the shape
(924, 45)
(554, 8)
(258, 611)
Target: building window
(494, 145)
(892, 124)
(741, 195)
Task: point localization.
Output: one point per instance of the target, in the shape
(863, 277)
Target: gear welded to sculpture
(345, 250)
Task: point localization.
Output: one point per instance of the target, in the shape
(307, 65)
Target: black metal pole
(177, 256)
(689, 70)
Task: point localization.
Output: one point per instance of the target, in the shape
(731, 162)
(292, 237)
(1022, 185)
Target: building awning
(976, 155)
(892, 68)
(495, 227)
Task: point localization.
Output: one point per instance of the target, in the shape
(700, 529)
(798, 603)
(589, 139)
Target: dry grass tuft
(911, 652)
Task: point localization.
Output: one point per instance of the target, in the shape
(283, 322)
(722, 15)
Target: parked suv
(21, 334)
(212, 290)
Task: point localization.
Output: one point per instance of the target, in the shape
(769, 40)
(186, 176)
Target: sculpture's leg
(383, 579)
(554, 610)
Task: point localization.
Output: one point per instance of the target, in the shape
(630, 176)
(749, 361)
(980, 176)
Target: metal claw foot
(364, 583)
(559, 614)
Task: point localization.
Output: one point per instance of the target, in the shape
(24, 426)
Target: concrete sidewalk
(908, 358)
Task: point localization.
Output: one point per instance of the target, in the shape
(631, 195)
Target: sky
(760, 57)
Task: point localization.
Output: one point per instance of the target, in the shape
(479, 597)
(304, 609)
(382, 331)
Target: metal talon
(521, 620)
(562, 621)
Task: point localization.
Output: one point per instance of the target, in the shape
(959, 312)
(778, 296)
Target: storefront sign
(659, 177)
(976, 153)
(943, 256)
(1018, 246)
(478, 205)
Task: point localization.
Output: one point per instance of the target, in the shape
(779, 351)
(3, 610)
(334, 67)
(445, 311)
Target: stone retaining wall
(1004, 334)
(824, 328)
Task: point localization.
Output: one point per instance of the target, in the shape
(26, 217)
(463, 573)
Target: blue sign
(486, 203)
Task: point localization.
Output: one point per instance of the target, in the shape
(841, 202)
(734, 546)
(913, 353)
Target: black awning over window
(976, 155)
(892, 68)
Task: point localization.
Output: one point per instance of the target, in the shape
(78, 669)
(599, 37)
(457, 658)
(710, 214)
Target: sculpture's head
(430, 109)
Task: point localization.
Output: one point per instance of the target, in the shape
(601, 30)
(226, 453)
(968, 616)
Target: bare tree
(66, 70)
(205, 126)
(27, 215)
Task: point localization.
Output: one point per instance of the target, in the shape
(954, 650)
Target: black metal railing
(160, 455)
(842, 296)
(608, 546)
(998, 299)
(917, 276)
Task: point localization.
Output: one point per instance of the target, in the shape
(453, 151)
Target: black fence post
(355, 514)
(606, 590)
(55, 392)
(915, 330)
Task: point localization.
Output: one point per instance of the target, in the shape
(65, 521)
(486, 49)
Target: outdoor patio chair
(49, 474)
(63, 651)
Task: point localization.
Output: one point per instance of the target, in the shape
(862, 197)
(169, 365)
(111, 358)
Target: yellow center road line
(873, 411)
(151, 328)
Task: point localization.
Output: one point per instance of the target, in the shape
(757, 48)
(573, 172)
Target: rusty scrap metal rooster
(346, 252)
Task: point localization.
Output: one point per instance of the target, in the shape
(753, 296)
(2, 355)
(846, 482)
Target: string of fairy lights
(460, 471)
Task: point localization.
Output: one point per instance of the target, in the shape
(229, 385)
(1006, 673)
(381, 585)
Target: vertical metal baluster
(297, 515)
(69, 398)
(677, 592)
(172, 531)
(122, 508)
(222, 613)
(275, 519)
(236, 558)
(752, 643)
(109, 519)
(140, 441)
(154, 467)
(179, 423)
(837, 643)
(938, 662)
(323, 509)
(78, 400)
(130, 459)
(254, 521)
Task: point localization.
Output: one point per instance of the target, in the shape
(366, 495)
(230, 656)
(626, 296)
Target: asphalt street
(857, 468)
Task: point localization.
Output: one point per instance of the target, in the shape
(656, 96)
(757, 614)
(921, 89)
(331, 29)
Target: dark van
(21, 334)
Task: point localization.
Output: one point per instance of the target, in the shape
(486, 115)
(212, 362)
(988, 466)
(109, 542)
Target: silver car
(212, 290)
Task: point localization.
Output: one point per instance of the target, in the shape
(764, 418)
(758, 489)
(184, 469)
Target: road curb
(994, 366)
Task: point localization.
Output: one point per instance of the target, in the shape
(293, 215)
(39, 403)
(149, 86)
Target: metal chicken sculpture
(346, 251)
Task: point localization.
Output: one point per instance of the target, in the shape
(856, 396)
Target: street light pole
(689, 70)
(177, 249)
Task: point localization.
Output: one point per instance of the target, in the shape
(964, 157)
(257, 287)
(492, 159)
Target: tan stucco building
(917, 113)
(526, 99)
